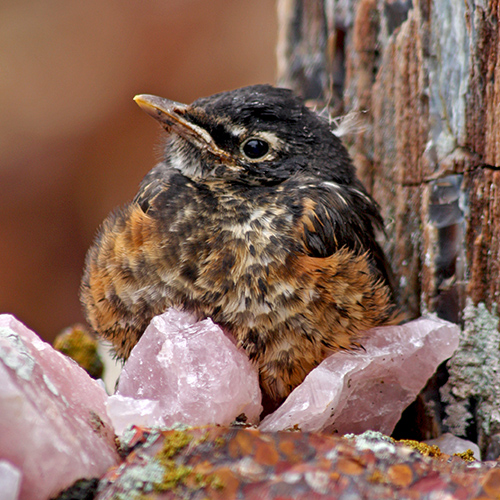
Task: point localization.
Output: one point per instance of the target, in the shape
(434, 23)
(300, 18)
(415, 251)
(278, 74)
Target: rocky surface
(220, 463)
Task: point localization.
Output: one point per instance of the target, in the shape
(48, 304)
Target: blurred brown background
(73, 144)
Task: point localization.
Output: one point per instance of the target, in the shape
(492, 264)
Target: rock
(229, 463)
(53, 426)
(368, 389)
(450, 444)
(193, 370)
(125, 411)
(472, 391)
(10, 480)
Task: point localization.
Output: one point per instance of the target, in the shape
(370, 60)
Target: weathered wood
(423, 80)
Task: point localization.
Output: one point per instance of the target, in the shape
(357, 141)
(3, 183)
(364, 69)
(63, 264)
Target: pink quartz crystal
(193, 370)
(125, 411)
(368, 389)
(53, 425)
(10, 481)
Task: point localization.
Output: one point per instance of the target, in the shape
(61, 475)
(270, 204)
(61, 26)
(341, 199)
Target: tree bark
(422, 81)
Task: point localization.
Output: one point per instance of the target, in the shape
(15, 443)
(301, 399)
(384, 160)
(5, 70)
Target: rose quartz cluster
(368, 389)
(54, 428)
(190, 372)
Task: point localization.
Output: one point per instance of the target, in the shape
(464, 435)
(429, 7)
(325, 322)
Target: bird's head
(258, 135)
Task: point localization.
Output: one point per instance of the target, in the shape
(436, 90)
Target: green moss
(77, 343)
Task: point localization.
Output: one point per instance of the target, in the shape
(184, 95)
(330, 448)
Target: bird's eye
(255, 148)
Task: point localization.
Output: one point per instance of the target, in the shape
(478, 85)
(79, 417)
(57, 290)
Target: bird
(255, 218)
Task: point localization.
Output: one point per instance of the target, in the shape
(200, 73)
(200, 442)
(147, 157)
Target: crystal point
(193, 370)
(368, 389)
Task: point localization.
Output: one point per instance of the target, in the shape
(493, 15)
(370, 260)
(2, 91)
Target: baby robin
(254, 218)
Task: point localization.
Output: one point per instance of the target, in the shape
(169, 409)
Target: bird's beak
(173, 117)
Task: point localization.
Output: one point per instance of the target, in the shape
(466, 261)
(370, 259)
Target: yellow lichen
(433, 451)
(467, 456)
(174, 442)
(174, 474)
(426, 450)
(179, 474)
(208, 481)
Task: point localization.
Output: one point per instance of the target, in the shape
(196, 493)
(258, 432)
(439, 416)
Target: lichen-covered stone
(475, 375)
(224, 464)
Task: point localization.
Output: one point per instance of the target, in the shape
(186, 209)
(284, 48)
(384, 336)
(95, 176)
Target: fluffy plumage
(279, 249)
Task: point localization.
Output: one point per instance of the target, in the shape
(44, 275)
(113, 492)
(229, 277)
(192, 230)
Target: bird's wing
(338, 216)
